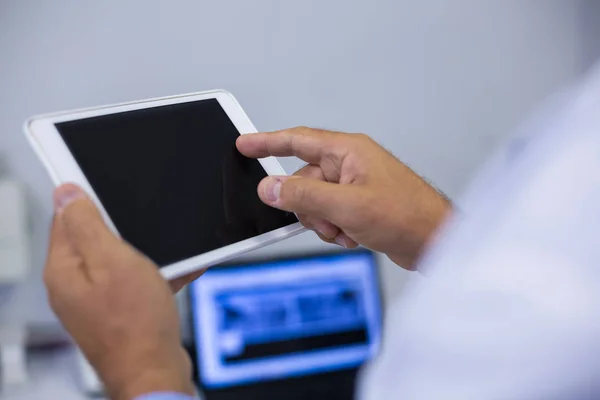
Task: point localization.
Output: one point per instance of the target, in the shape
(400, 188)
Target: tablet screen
(171, 178)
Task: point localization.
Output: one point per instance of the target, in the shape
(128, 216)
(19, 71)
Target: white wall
(440, 83)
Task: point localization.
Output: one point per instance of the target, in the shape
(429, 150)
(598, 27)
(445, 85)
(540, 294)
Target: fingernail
(341, 241)
(65, 195)
(323, 234)
(273, 189)
(327, 233)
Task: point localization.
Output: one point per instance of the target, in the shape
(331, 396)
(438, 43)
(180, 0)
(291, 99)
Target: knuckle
(303, 131)
(363, 138)
(300, 129)
(297, 130)
(298, 194)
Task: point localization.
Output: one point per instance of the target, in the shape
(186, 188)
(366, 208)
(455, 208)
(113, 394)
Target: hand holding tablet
(168, 175)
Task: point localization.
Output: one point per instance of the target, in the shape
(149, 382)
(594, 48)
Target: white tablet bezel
(49, 146)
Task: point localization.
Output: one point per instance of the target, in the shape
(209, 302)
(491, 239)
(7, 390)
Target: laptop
(295, 327)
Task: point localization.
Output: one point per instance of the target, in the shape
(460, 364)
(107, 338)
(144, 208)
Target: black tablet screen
(171, 178)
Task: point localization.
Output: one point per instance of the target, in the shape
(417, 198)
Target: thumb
(82, 221)
(306, 196)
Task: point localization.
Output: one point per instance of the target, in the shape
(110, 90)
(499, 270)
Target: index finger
(307, 144)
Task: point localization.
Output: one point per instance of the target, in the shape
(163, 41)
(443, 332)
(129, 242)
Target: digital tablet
(167, 176)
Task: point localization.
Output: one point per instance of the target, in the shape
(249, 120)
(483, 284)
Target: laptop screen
(273, 320)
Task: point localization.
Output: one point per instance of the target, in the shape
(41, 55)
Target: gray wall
(590, 30)
(440, 83)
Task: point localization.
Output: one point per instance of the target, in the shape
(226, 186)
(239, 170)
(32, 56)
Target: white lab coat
(507, 305)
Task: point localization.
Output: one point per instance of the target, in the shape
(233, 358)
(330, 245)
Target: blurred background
(440, 84)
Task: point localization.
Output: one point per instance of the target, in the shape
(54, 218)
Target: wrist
(126, 380)
(418, 233)
(153, 381)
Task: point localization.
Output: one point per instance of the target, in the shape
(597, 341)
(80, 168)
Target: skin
(122, 313)
(114, 303)
(353, 191)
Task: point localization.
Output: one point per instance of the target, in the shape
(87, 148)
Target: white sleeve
(509, 303)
